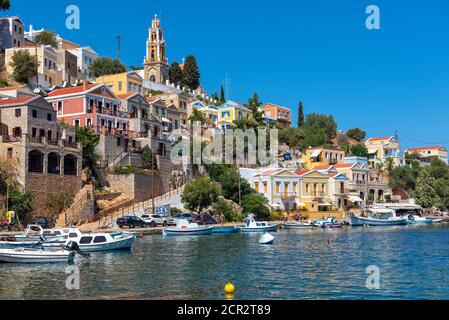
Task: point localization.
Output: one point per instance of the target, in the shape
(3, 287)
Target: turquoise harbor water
(413, 262)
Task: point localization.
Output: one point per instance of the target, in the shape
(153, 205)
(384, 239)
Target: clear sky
(319, 51)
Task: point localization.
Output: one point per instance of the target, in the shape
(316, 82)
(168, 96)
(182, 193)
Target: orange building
(282, 115)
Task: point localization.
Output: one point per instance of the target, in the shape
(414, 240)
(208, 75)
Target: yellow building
(322, 156)
(230, 112)
(381, 149)
(123, 83)
(426, 154)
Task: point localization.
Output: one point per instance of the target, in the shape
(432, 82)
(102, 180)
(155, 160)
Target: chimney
(85, 85)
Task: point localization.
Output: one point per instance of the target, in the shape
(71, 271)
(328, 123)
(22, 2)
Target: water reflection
(301, 264)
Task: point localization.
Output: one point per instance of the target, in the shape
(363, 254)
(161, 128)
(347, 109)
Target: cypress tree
(191, 73)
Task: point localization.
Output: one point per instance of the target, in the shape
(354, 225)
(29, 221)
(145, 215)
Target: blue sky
(320, 52)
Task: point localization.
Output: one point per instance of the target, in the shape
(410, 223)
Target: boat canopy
(315, 153)
(372, 151)
(325, 204)
(381, 211)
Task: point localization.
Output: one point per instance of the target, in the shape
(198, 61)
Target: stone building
(11, 33)
(50, 161)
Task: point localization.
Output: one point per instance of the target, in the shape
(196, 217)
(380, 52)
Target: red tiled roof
(380, 139)
(301, 172)
(125, 96)
(9, 88)
(322, 167)
(72, 90)
(425, 148)
(343, 165)
(16, 101)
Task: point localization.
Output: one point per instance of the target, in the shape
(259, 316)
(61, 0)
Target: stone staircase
(81, 210)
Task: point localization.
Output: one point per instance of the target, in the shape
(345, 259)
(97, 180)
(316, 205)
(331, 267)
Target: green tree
(214, 96)
(191, 73)
(222, 95)
(293, 137)
(176, 74)
(47, 38)
(314, 137)
(21, 203)
(197, 116)
(424, 191)
(89, 140)
(149, 161)
(301, 121)
(106, 66)
(24, 66)
(200, 194)
(256, 204)
(136, 68)
(254, 104)
(358, 150)
(320, 121)
(223, 208)
(356, 134)
(5, 5)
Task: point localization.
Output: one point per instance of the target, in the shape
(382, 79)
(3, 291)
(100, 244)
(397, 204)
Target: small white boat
(26, 255)
(298, 225)
(251, 225)
(414, 219)
(35, 233)
(185, 228)
(378, 217)
(266, 239)
(92, 242)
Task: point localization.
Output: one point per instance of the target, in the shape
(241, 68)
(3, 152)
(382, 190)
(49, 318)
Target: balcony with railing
(289, 195)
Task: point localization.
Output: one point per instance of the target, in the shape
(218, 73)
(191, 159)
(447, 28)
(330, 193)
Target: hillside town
(82, 145)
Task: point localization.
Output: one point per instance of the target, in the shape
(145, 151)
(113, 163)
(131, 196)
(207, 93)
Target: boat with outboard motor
(41, 254)
(251, 225)
(377, 217)
(92, 242)
(185, 228)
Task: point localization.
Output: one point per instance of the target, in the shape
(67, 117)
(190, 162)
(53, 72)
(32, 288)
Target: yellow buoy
(229, 288)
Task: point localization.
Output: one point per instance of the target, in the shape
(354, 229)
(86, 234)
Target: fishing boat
(298, 225)
(266, 239)
(251, 225)
(378, 217)
(35, 232)
(28, 255)
(93, 242)
(185, 228)
(328, 223)
(226, 230)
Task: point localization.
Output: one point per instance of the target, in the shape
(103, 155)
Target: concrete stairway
(81, 210)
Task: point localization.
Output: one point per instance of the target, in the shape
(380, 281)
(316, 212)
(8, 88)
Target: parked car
(186, 216)
(154, 220)
(131, 222)
(44, 222)
(205, 219)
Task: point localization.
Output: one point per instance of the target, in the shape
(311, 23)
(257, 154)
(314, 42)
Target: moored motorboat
(92, 242)
(226, 230)
(298, 225)
(185, 228)
(329, 223)
(251, 225)
(28, 255)
(377, 217)
(413, 219)
(35, 232)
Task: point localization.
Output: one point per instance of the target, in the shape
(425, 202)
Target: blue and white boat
(378, 217)
(226, 230)
(185, 228)
(330, 222)
(251, 225)
(93, 242)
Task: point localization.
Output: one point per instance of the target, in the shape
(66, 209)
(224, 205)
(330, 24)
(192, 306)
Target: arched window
(70, 165)
(36, 161)
(53, 163)
(153, 78)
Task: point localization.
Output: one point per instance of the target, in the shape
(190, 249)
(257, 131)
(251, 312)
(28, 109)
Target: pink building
(91, 105)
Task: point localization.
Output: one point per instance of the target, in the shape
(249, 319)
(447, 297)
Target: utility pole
(152, 184)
